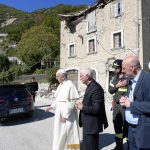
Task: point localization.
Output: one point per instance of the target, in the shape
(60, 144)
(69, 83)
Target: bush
(51, 73)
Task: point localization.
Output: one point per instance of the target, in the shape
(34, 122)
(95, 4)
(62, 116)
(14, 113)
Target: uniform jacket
(118, 110)
(93, 115)
(118, 92)
(141, 106)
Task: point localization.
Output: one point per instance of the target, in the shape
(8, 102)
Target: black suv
(15, 99)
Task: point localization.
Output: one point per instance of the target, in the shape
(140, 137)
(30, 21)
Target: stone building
(105, 31)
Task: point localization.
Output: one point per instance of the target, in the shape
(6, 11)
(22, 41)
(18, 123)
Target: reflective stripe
(115, 64)
(112, 84)
(73, 146)
(120, 136)
(122, 89)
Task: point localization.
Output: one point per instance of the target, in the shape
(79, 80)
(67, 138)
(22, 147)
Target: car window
(13, 91)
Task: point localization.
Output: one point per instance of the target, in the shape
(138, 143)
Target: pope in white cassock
(66, 131)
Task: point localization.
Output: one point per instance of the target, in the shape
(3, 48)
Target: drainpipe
(137, 24)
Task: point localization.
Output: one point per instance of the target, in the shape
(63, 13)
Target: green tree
(15, 31)
(52, 75)
(35, 44)
(4, 67)
(4, 63)
(15, 70)
(53, 23)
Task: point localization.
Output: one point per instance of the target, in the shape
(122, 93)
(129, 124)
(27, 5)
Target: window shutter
(116, 9)
(117, 40)
(92, 45)
(71, 50)
(91, 22)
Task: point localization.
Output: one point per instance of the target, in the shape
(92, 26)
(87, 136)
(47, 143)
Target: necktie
(129, 87)
(130, 84)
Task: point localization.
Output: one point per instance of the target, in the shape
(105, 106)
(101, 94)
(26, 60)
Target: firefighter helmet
(117, 63)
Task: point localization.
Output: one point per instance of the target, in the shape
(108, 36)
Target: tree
(4, 67)
(53, 23)
(15, 31)
(4, 63)
(35, 44)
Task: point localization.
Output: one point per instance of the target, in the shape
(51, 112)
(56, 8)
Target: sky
(31, 5)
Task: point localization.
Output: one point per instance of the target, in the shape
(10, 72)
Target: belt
(133, 125)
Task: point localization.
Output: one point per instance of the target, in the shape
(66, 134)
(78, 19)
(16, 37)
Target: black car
(15, 99)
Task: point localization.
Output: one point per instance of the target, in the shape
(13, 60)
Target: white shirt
(132, 118)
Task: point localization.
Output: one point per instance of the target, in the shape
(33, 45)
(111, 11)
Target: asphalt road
(20, 133)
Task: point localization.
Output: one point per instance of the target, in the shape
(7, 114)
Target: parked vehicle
(15, 99)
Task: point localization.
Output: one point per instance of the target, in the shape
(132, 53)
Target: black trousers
(33, 95)
(118, 118)
(90, 142)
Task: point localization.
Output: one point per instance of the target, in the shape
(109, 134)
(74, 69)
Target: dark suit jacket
(141, 106)
(93, 116)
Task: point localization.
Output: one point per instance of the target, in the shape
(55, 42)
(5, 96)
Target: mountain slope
(8, 12)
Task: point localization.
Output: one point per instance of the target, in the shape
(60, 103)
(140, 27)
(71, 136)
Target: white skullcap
(62, 71)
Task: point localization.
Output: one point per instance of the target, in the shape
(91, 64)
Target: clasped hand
(79, 104)
(124, 101)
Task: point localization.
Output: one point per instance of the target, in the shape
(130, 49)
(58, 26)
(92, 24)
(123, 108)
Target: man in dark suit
(92, 111)
(137, 104)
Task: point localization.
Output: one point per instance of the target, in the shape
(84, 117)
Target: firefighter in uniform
(118, 88)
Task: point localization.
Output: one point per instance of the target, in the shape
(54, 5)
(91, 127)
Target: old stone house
(108, 30)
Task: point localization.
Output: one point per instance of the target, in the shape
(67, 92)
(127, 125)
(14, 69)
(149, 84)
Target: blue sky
(31, 5)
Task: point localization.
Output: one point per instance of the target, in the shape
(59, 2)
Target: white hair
(87, 71)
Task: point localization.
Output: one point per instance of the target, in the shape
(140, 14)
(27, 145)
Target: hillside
(8, 12)
(13, 20)
(37, 16)
(33, 37)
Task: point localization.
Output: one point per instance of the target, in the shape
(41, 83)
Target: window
(72, 50)
(91, 45)
(117, 8)
(91, 22)
(117, 40)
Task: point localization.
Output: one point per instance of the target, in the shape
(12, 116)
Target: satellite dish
(149, 65)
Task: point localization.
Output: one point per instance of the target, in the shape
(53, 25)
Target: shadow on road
(106, 139)
(38, 115)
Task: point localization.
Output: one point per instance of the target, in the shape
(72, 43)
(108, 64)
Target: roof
(75, 16)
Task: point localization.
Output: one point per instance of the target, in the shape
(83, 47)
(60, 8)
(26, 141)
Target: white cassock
(66, 135)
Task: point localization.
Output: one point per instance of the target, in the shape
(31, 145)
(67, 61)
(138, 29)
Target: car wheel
(2, 120)
(30, 114)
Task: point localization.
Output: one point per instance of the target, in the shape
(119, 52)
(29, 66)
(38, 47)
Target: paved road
(28, 133)
(36, 133)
